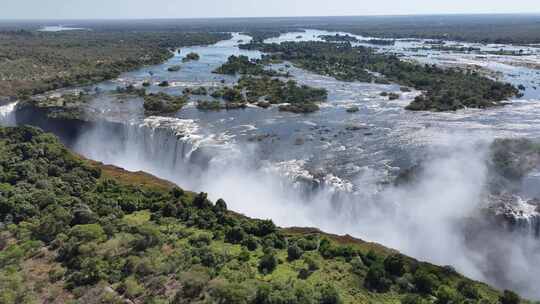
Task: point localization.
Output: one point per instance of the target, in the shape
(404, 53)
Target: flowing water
(331, 169)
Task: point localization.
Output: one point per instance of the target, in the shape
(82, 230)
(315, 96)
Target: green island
(244, 66)
(174, 68)
(35, 62)
(161, 103)
(381, 41)
(77, 231)
(266, 90)
(339, 38)
(191, 57)
(445, 89)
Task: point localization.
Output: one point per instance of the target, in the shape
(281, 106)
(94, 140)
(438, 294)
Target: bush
(330, 295)
(425, 282)
(395, 265)
(294, 252)
(376, 279)
(250, 243)
(447, 295)
(357, 266)
(509, 297)
(244, 255)
(468, 290)
(230, 293)
(307, 244)
(193, 283)
(221, 206)
(413, 299)
(177, 192)
(235, 235)
(268, 263)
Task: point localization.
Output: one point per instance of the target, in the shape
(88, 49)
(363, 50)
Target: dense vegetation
(74, 231)
(339, 38)
(444, 89)
(267, 90)
(34, 62)
(381, 41)
(162, 103)
(244, 66)
(515, 29)
(191, 57)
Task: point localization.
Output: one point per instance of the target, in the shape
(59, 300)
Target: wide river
(331, 169)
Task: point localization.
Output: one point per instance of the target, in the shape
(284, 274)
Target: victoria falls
(263, 161)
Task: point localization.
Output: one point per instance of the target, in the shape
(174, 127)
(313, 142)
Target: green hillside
(75, 231)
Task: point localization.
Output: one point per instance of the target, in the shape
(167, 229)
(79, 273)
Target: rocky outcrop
(515, 214)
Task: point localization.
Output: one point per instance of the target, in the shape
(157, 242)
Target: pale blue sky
(74, 9)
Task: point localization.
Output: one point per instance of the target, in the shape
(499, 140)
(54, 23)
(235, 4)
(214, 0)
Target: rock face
(516, 214)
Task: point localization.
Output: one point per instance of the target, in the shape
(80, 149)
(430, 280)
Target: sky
(129, 9)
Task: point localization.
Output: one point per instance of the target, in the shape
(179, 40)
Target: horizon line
(268, 17)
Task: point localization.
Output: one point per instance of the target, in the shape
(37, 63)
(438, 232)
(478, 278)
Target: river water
(331, 169)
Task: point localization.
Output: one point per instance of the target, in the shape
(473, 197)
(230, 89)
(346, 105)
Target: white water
(7, 114)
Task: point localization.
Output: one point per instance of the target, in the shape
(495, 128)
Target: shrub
(447, 295)
(244, 255)
(307, 244)
(376, 279)
(395, 265)
(275, 240)
(221, 206)
(311, 262)
(425, 282)
(230, 293)
(235, 235)
(468, 290)
(250, 243)
(177, 192)
(131, 288)
(264, 228)
(413, 299)
(268, 263)
(200, 239)
(509, 297)
(357, 266)
(330, 295)
(193, 283)
(294, 252)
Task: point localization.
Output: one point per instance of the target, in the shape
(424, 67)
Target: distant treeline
(34, 62)
(502, 28)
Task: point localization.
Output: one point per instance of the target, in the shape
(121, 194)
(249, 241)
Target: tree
(268, 263)
(395, 265)
(509, 297)
(235, 235)
(468, 290)
(330, 295)
(376, 278)
(294, 252)
(221, 206)
(413, 299)
(425, 282)
(447, 295)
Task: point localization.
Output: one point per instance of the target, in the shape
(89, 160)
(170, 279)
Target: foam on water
(7, 114)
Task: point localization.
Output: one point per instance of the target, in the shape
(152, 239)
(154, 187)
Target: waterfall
(171, 148)
(516, 214)
(7, 114)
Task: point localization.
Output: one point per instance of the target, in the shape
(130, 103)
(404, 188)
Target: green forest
(35, 62)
